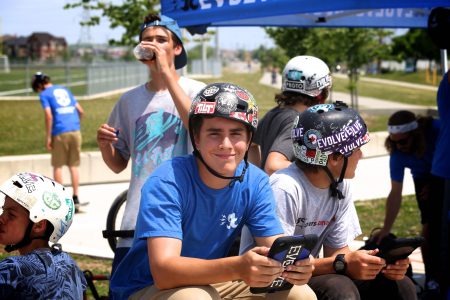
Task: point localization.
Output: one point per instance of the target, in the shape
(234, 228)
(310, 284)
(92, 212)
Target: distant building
(39, 46)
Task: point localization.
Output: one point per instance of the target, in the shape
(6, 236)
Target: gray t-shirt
(306, 209)
(274, 133)
(151, 132)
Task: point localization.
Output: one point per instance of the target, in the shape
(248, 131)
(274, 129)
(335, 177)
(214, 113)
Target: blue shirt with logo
(420, 167)
(62, 104)
(176, 203)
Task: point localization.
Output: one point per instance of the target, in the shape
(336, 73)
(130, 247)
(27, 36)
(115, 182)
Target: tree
(129, 15)
(414, 45)
(272, 57)
(353, 47)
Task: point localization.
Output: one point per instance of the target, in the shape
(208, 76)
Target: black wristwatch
(339, 264)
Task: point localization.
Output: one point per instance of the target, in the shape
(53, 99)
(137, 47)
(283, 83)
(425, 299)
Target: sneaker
(78, 204)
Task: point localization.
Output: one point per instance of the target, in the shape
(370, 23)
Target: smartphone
(398, 248)
(287, 250)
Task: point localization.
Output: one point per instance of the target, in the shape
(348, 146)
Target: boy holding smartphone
(314, 197)
(193, 207)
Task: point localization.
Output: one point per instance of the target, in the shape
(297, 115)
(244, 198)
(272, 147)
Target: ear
(40, 227)
(177, 49)
(196, 140)
(334, 159)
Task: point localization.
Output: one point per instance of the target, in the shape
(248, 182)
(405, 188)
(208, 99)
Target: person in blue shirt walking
(62, 126)
(193, 207)
(411, 144)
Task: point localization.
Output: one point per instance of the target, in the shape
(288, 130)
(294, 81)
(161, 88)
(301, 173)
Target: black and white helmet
(306, 75)
(324, 129)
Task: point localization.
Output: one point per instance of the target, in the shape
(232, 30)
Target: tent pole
(444, 62)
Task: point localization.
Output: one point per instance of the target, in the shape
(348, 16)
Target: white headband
(394, 129)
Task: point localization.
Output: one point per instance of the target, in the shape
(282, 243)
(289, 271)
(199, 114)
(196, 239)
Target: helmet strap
(239, 178)
(335, 192)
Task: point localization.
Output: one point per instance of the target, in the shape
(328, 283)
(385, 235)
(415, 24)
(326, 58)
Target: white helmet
(44, 198)
(306, 75)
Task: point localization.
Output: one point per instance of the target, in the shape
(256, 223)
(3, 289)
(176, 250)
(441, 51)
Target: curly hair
(291, 98)
(418, 135)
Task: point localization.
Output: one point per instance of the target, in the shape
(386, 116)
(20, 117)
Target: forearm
(181, 100)
(113, 159)
(393, 203)
(184, 271)
(323, 266)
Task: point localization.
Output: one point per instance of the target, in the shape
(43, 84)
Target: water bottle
(142, 53)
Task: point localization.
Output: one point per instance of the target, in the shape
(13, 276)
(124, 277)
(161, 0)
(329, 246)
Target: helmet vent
(338, 108)
(241, 107)
(18, 184)
(320, 111)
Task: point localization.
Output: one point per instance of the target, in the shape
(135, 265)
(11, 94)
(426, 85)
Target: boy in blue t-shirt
(35, 211)
(193, 207)
(62, 124)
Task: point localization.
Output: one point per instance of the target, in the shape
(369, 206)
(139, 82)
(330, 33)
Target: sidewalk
(363, 102)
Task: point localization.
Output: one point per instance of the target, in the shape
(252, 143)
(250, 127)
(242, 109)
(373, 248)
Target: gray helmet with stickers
(44, 198)
(306, 75)
(225, 100)
(327, 128)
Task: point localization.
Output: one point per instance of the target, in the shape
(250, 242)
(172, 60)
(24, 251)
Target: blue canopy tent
(197, 15)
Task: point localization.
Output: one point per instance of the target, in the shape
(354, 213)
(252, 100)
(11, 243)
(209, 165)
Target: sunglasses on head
(401, 142)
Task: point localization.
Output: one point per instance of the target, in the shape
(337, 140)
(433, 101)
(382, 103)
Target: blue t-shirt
(441, 161)
(41, 275)
(420, 167)
(175, 203)
(62, 103)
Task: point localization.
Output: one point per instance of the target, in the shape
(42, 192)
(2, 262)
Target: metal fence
(87, 80)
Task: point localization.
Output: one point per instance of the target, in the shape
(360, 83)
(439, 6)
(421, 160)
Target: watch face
(339, 265)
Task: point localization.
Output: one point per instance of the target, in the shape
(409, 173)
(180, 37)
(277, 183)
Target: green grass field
(22, 129)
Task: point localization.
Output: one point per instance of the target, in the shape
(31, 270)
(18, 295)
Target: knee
(302, 292)
(195, 293)
(336, 287)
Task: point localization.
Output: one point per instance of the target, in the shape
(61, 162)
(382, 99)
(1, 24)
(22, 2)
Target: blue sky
(23, 17)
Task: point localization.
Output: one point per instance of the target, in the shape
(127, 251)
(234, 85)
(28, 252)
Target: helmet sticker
(242, 95)
(348, 132)
(208, 92)
(295, 80)
(51, 200)
(69, 215)
(347, 149)
(240, 115)
(310, 138)
(226, 103)
(324, 107)
(323, 82)
(28, 180)
(205, 108)
(310, 156)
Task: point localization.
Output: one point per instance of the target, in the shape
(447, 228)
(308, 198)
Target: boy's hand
(300, 272)
(106, 135)
(256, 269)
(397, 270)
(363, 264)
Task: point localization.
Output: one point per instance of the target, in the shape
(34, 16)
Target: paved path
(363, 102)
